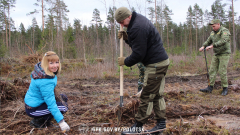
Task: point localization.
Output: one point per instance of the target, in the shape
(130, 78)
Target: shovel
(206, 66)
(121, 81)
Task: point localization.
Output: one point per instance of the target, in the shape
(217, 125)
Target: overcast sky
(83, 9)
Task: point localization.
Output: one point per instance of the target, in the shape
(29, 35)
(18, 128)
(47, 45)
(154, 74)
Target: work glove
(64, 126)
(121, 61)
(124, 34)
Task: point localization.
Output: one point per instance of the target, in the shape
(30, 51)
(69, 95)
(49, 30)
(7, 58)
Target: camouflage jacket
(220, 40)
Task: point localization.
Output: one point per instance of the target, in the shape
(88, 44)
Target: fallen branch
(30, 49)
(13, 123)
(17, 111)
(5, 130)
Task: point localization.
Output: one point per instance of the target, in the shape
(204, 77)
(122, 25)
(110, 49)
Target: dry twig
(17, 111)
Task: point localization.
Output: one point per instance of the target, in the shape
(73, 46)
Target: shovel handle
(121, 70)
(121, 81)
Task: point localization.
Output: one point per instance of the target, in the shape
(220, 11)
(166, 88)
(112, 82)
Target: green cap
(214, 21)
(122, 13)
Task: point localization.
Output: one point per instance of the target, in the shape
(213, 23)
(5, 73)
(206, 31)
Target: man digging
(147, 47)
(219, 40)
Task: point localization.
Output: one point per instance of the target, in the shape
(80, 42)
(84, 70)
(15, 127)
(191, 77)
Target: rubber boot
(207, 90)
(161, 124)
(225, 91)
(136, 128)
(38, 122)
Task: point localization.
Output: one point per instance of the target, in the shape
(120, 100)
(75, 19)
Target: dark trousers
(42, 111)
(152, 94)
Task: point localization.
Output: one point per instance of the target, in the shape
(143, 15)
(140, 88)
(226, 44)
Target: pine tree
(237, 31)
(233, 23)
(110, 22)
(97, 20)
(78, 35)
(218, 11)
(59, 11)
(198, 15)
(190, 24)
(50, 30)
(207, 19)
(10, 4)
(22, 36)
(34, 23)
(151, 13)
(43, 8)
(166, 13)
(159, 21)
(4, 7)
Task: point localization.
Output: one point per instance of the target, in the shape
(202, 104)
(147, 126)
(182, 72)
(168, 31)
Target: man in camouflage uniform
(219, 40)
(141, 68)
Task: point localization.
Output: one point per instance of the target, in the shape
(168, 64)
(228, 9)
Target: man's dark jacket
(145, 41)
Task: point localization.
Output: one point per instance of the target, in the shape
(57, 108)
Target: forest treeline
(99, 40)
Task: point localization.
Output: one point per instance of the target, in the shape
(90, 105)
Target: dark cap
(214, 21)
(122, 13)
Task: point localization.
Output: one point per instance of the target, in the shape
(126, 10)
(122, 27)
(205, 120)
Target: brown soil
(93, 106)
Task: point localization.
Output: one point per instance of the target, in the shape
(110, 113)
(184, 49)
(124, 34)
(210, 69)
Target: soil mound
(13, 91)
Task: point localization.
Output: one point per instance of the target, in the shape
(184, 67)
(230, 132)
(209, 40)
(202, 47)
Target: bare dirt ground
(93, 106)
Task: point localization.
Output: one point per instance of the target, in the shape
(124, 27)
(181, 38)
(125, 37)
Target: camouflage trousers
(141, 74)
(219, 65)
(152, 94)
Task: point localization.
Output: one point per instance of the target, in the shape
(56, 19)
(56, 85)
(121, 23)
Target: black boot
(225, 91)
(161, 124)
(38, 122)
(50, 124)
(207, 90)
(136, 128)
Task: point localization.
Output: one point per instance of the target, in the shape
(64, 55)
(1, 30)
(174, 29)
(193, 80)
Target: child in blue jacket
(40, 101)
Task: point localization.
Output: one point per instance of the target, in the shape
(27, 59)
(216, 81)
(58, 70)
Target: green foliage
(218, 11)
(71, 52)
(182, 63)
(135, 70)
(69, 35)
(22, 29)
(170, 64)
(193, 58)
(194, 55)
(3, 50)
(98, 37)
(110, 17)
(104, 74)
(237, 55)
(128, 71)
(177, 50)
(96, 16)
(91, 59)
(40, 45)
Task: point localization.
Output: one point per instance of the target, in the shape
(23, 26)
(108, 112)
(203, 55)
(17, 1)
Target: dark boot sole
(156, 132)
(34, 126)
